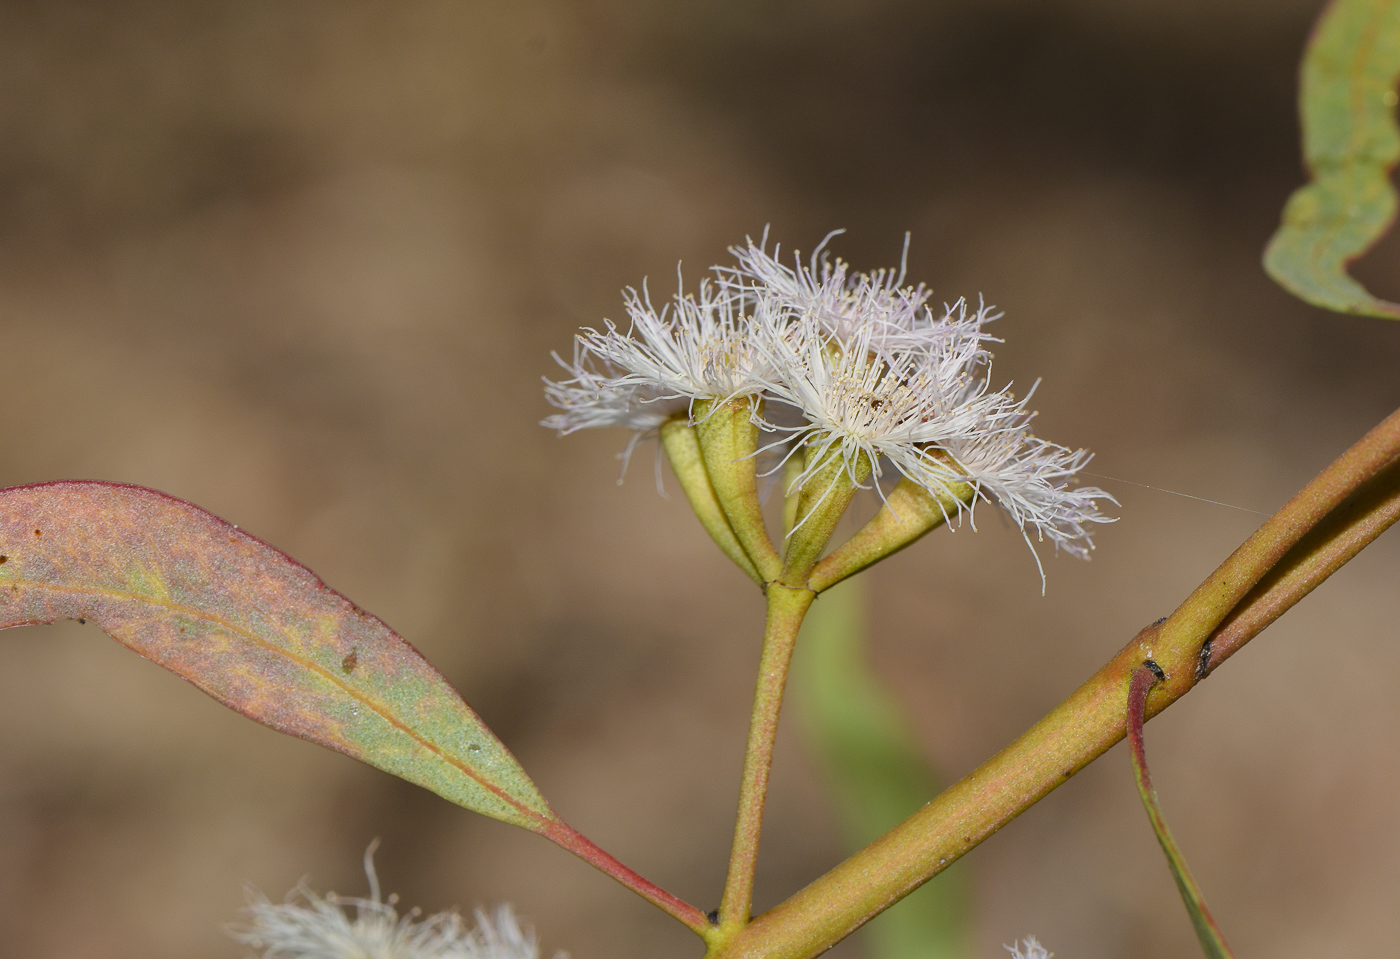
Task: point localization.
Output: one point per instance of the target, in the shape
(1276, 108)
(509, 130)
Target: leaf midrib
(374, 705)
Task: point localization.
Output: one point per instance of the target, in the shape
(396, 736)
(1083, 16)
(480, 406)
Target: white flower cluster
(848, 364)
(309, 926)
(1028, 948)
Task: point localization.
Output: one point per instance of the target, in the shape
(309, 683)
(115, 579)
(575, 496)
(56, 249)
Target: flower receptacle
(820, 504)
(727, 435)
(909, 512)
(682, 448)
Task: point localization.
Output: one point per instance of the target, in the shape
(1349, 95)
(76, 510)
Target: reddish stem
(580, 845)
(1212, 939)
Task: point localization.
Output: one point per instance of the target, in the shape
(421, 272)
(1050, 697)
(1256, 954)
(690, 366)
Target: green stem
(1093, 718)
(786, 609)
(1348, 529)
(1052, 751)
(1209, 605)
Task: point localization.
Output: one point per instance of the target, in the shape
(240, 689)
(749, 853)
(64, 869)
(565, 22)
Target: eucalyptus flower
(876, 374)
(599, 394)
(826, 291)
(928, 409)
(309, 926)
(698, 346)
(1028, 948)
(836, 367)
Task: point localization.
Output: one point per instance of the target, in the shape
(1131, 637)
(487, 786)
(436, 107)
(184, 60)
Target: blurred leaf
(1212, 940)
(874, 770)
(1350, 144)
(255, 630)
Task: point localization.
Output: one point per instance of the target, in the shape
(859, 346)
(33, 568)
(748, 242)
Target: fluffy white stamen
(1028, 948)
(309, 926)
(696, 347)
(598, 394)
(866, 367)
(825, 291)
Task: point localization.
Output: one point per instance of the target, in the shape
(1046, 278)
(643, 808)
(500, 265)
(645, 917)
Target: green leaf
(874, 769)
(1350, 144)
(1212, 940)
(254, 629)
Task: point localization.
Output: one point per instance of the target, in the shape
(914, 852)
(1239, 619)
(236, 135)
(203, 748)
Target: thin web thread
(1163, 489)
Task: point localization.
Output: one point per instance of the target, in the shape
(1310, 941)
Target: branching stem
(1345, 507)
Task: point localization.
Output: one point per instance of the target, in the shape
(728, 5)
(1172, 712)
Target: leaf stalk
(1207, 931)
(567, 837)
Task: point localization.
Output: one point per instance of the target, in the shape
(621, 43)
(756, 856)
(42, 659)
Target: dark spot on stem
(1160, 621)
(82, 621)
(1156, 670)
(349, 662)
(713, 916)
(37, 533)
(1203, 661)
(3, 560)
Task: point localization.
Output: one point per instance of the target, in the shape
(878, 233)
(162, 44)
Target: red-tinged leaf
(254, 629)
(1212, 940)
(1350, 144)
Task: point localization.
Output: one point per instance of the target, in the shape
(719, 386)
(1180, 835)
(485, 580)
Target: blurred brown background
(303, 264)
